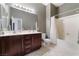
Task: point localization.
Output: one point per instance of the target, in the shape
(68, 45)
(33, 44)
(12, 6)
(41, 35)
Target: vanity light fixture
(24, 8)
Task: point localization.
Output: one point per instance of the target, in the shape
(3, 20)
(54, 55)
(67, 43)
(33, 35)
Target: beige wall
(60, 28)
(68, 7)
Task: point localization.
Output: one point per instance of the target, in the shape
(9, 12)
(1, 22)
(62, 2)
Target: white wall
(71, 27)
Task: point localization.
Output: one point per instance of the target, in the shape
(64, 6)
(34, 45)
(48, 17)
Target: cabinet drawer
(36, 36)
(26, 37)
(27, 42)
(27, 50)
(27, 46)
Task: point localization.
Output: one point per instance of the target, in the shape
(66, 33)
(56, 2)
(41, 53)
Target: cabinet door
(13, 45)
(36, 41)
(4, 43)
(0, 46)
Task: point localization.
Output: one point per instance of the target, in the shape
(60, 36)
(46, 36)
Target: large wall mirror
(12, 18)
(4, 17)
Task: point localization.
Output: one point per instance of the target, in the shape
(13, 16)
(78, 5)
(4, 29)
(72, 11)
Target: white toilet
(45, 40)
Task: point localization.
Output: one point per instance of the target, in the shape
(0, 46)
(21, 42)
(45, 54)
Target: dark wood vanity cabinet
(36, 41)
(31, 42)
(1, 46)
(11, 45)
(19, 44)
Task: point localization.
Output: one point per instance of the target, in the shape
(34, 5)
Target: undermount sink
(7, 32)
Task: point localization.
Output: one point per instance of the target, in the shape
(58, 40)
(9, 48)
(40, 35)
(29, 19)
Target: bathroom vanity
(17, 35)
(18, 44)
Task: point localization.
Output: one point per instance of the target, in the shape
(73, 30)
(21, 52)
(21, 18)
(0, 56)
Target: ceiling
(56, 4)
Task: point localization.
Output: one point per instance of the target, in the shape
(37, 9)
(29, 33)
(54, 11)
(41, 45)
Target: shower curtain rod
(75, 10)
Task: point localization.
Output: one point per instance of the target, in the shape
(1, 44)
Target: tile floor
(63, 48)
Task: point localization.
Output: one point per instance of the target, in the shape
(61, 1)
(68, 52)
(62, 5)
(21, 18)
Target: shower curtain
(53, 35)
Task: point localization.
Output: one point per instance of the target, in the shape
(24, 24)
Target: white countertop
(11, 33)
